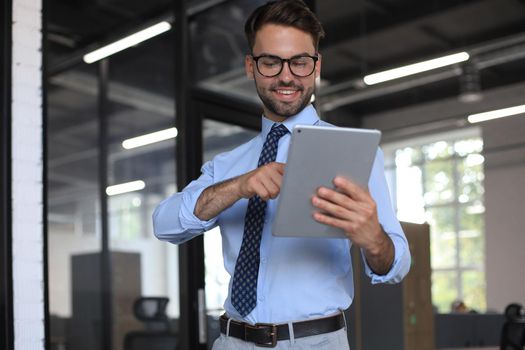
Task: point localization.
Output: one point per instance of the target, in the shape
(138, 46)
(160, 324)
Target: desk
(470, 331)
(485, 348)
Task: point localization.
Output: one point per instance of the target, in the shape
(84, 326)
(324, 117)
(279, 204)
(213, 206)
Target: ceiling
(362, 37)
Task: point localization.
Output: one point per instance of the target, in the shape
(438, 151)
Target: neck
(272, 116)
(275, 119)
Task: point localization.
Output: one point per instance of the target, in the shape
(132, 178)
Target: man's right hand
(264, 181)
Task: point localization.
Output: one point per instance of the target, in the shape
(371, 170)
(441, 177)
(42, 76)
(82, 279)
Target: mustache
(282, 84)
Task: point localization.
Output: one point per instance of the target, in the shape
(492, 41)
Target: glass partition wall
(140, 265)
(109, 288)
(109, 277)
(144, 269)
(74, 236)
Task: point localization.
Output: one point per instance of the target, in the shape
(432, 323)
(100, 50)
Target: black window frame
(6, 266)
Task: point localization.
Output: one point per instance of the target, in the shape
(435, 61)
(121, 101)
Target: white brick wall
(27, 175)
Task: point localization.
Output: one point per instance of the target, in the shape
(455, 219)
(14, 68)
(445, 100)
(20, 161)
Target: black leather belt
(267, 334)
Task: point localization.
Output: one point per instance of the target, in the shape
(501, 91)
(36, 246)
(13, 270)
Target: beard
(280, 108)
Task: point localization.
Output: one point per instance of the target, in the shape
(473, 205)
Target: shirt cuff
(188, 219)
(399, 267)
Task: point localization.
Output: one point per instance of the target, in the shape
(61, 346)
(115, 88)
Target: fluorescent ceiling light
(147, 139)
(415, 68)
(126, 42)
(125, 187)
(498, 113)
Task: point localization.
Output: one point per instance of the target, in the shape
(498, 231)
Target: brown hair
(293, 13)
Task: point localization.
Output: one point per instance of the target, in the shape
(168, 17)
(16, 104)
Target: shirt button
(263, 260)
(261, 298)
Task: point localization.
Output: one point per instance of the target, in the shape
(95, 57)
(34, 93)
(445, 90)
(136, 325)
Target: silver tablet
(317, 154)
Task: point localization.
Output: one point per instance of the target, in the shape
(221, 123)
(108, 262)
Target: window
(440, 180)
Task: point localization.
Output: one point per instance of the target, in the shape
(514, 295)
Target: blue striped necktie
(244, 286)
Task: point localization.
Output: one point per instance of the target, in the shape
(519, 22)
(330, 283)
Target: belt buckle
(273, 334)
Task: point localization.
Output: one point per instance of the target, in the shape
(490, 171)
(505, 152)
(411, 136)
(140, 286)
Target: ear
(248, 67)
(318, 66)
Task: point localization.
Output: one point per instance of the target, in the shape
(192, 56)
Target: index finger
(351, 188)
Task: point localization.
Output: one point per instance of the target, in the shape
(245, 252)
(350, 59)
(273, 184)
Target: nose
(286, 73)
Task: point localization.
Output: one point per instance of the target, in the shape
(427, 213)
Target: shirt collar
(308, 116)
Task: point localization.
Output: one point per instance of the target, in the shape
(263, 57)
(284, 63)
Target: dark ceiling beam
(435, 34)
(376, 7)
(474, 44)
(488, 54)
(203, 6)
(515, 29)
(337, 100)
(120, 11)
(482, 36)
(76, 21)
(355, 71)
(227, 108)
(352, 55)
(346, 29)
(76, 57)
(412, 116)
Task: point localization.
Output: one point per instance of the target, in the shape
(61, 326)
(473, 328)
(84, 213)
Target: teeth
(286, 92)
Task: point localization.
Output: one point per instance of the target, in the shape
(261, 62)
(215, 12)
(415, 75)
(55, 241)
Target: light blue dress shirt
(299, 278)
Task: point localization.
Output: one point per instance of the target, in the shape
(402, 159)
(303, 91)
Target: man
(297, 287)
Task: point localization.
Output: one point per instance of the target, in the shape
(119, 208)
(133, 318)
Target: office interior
(122, 132)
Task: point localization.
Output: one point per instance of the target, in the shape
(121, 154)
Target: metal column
(188, 161)
(6, 266)
(47, 326)
(105, 263)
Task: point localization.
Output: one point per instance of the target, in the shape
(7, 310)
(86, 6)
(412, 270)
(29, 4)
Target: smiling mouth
(286, 92)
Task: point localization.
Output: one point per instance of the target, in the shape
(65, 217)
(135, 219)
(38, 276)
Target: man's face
(285, 94)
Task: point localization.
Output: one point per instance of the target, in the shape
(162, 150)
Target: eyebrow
(296, 55)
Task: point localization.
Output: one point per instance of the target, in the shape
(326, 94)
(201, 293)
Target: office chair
(156, 334)
(513, 332)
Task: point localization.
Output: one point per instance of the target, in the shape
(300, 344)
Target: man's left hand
(352, 209)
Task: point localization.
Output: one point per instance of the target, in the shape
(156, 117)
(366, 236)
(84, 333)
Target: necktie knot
(278, 131)
(269, 151)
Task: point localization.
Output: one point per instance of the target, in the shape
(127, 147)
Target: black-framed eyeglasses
(271, 66)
